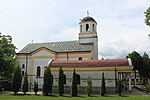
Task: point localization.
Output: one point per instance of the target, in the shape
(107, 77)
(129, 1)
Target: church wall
(73, 56)
(96, 77)
(42, 62)
(43, 53)
(91, 34)
(22, 60)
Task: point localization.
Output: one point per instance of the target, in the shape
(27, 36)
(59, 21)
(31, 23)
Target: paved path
(135, 92)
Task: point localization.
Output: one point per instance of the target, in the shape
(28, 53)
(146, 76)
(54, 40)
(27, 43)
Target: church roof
(88, 18)
(65, 46)
(91, 63)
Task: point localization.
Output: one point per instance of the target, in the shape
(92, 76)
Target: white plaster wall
(96, 77)
(42, 62)
(61, 58)
(87, 34)
(21, 61)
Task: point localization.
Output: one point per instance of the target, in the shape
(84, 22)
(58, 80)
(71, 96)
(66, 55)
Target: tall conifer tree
(16, 80)
(74, 84)
(25, 84)
(103, 86)
(48, 82)
(35, 89)
(61, 82)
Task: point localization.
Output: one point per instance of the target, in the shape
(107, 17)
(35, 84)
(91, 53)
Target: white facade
(36, 61)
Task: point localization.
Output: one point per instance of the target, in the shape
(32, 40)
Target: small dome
(88, 18)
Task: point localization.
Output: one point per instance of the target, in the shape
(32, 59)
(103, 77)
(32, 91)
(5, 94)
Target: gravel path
(135, 92)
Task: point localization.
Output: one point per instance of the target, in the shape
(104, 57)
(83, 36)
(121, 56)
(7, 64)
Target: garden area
(10, 96)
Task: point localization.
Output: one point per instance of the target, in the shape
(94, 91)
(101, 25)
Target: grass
(68, 97)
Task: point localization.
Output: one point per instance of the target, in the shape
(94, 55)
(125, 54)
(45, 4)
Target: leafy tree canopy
(137, 59)
(141, 63)
(147, 16)
(7, 59)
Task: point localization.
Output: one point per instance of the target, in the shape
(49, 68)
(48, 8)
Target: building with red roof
(81, 55)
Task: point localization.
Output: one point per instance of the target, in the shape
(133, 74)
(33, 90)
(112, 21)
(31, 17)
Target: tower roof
(88, 18)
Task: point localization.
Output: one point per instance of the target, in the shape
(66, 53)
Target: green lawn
(68, 97)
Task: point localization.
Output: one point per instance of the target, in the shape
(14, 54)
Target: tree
(89, 86)
(61, 82)
(137, 60)
(7, 56)
(145, 69)
(16, 80)
(25, 84)
(103, 86)
(35, 89)
(147, 16)
(74, 84)
(119, 88)
(145, 56)
(48, 82)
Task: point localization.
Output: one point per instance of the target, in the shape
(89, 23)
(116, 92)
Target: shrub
(89, 86)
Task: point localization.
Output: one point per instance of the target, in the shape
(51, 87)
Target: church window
(87, 27)
(93, 27)
(80, 58)
(80, 28)
(38, 71)
(78, 79)
(64, 78)
(22, 73)
(23, 66)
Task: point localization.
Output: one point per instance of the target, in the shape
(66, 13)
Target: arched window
(38, 71)
(93, 27)
(23, 66)
(80, 28)
(22, 73)
(64, 78)
(87, 27)
(78, 79)
(80, 58)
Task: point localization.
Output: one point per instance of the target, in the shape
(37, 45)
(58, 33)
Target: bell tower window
(80, 58)
(80, 28)
(93, 27)
(87, 27)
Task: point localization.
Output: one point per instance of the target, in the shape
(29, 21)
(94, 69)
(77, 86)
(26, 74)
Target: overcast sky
(121, 28)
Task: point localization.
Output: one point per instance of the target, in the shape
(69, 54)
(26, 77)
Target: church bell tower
(88, 34)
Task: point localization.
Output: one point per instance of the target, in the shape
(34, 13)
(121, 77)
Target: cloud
(121, 27)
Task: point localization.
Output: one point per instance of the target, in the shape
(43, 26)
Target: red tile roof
(90, 63)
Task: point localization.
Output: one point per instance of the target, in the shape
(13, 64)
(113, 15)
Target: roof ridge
(54, 42)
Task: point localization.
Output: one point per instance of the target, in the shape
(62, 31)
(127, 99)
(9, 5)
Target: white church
(81, 54)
